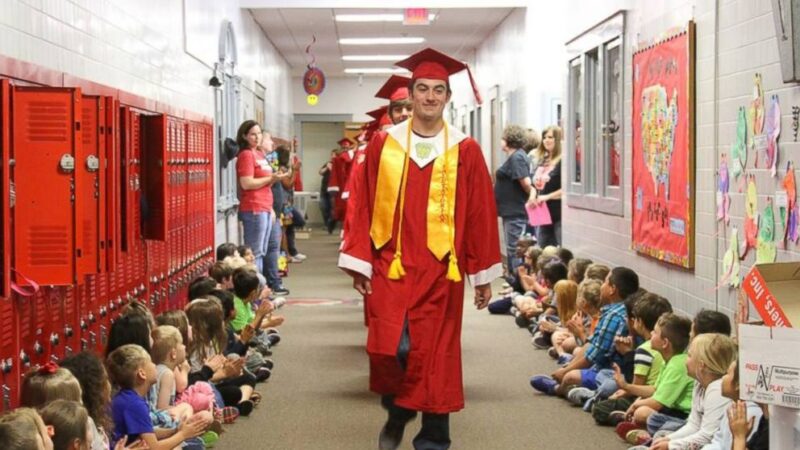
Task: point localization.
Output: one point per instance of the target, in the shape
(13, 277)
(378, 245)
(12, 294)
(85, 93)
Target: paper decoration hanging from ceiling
(739, 148)
(766, 249)
(730, 262)
(750, 216)
(723, 187)
(773, 130)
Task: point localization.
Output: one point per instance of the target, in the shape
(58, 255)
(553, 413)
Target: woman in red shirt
(255, 178)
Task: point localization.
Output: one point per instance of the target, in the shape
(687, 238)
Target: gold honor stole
(441, 203)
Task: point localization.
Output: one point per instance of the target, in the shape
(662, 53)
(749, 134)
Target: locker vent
(89, 239)
(48, 246)
(48, 121)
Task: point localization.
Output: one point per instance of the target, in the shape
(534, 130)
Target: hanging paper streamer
(750, 216)
(723, 186)
(786, 201)
(766, 250)
(730, 262)
(773, 130)
(739, 148)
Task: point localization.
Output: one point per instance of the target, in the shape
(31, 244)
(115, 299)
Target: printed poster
(663, 150)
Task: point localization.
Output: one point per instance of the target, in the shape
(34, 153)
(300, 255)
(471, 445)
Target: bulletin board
(663, 223)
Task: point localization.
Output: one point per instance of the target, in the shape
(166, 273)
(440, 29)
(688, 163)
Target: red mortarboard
(345, 142)
(378, 113)
(395, 88)
(435, 65)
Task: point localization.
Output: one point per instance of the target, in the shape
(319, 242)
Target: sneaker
(300, 257)
(280, 290)
(616, 417)
(623, 428)
(552, 352)
(579, 395)
(521, 321)
(278, 302)
(638, 437)
(273, 339)
(209, 438)
(540, 341)
(544, 384)
(269, 364)
(294, 259)
(589, 404)
(226, 415)
(564, 359)
(262, 374)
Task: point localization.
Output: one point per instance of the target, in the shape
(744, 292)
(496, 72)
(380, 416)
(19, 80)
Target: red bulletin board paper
(663, 151)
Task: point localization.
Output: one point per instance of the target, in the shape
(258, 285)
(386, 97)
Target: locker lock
(68, 331)
(112, 306)
(92, 318)
(37, 347)
(67, 163)
(24, 358)
(92, 163)
(84, 325)
(7, 365)
(54, 339)
(103, 311)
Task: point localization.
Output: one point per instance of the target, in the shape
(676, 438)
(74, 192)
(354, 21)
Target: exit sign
(416, 16)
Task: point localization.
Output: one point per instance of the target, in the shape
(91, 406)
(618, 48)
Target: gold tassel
(396, 270)
(453, 273)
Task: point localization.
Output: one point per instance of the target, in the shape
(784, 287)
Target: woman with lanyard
(255, 178)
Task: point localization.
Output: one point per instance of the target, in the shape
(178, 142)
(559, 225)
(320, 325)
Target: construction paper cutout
(755, 112)
(751, 216)
(773, 131)
(739, 147)
(723, 187)
(794, 225)
(766, 250)
(730, 262)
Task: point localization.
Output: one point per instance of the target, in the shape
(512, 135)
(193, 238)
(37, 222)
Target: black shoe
(391, 435)
(262, 374)
(280, 291)
(268, 363)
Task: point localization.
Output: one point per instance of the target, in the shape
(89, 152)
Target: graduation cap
(344, 142)
(395, 88)
(435, 65)
(378, 113)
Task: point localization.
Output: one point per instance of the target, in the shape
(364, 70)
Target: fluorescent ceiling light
(375, 17)
(373, 57)
(381, 40)
(374, 70)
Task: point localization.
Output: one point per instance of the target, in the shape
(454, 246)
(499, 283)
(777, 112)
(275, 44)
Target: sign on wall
(664, 149)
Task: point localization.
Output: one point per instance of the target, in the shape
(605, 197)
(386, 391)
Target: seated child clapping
(134, 372)
(581, 325)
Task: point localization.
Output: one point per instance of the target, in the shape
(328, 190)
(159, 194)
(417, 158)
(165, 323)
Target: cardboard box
(769, 365)
(773, 290)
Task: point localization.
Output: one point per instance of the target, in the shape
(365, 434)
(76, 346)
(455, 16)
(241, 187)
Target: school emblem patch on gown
(423, 150)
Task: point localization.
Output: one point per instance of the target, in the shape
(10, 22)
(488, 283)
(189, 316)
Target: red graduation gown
(433, 305)
(337, 183)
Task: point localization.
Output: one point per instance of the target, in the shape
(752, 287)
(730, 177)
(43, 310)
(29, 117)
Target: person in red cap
(339, 175)
(396, 91)
(426, 217)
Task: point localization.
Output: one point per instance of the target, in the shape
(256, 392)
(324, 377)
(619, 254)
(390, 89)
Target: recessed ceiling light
(375, 17)
(381, 40)
(374, 57)
(374, 70)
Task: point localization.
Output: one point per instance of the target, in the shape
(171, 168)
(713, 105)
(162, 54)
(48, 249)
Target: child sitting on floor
(134, 372)
(576, 269)
(69, 421)
(90, 372)
(23, 428)
(582, 324)
(564, 302)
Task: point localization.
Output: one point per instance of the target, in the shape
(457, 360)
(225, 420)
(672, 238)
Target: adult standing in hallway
(512, 189)
(410, 267)
(339, 175)
(547, 181)
(325, 203)
(255, 178)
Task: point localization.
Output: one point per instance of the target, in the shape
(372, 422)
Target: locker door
(5, 189)
(154, 176)
(46, 131)
(125, 180)
(112, 182)
(87, 186)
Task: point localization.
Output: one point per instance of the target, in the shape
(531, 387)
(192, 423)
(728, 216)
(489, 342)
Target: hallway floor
(318, 397)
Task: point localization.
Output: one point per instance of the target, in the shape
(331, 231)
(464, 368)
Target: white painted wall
(143, 47)
(342, 95)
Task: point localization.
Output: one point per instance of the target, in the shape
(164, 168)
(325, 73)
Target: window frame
(589, 53)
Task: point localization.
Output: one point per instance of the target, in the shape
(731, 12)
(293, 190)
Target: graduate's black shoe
(391, 435)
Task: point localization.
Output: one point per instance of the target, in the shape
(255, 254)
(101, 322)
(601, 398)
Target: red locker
(89, 167)
(46, 131)
(5, 189)
(112, 182)
(154, 177)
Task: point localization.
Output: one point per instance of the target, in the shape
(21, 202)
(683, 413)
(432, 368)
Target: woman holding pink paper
(547, 184)
(512, 189)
